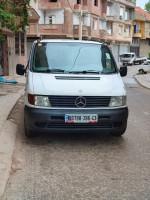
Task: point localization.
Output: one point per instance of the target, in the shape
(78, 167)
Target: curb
(8, 132)
(7, 143)
(141, 83)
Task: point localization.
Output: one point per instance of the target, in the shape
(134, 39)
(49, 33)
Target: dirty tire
(118, 134)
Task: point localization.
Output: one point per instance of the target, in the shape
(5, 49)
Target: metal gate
(1, 59)
(123, 49)
(136, 50)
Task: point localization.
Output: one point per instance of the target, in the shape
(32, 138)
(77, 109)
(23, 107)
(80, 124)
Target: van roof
(68, 41)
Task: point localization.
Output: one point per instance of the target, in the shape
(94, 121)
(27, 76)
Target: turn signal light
(31, 99)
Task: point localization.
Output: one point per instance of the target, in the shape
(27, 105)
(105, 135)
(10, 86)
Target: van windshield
(72, 58)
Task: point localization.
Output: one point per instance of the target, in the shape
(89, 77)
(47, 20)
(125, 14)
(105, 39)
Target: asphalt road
(85, 166)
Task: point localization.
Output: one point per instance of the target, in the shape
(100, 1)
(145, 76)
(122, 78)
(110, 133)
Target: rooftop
(140, 11)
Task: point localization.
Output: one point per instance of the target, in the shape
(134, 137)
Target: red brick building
(66, 18)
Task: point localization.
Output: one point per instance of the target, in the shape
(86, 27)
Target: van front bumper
(46, 120)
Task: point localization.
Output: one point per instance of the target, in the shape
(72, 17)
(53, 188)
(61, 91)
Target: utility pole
(80, 25)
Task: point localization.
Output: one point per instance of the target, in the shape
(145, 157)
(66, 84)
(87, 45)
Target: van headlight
(117, 101)
(42, 101)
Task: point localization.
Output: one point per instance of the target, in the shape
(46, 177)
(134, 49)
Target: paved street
(89, 166)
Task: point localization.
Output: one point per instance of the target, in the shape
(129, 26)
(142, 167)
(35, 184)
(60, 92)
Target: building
(120, 16)
(67, 19)
(12, 52)
(141, 33)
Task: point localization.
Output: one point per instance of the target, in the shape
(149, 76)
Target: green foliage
(13, 15)
(147, 6)
(149, 54)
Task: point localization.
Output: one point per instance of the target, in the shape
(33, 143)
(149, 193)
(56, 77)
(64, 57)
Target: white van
(73, 86)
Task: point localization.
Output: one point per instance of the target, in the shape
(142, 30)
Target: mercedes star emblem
(80, 102)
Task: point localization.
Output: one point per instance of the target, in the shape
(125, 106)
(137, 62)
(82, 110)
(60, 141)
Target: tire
(28, 133)
(118, 134)
(141, 71)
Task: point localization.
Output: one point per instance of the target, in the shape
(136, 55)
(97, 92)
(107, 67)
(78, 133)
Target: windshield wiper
(57, 70)
(85, 72)
(51, 70)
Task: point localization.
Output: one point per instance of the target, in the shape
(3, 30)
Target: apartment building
(141, 33)
(68, 19)
(120, 14)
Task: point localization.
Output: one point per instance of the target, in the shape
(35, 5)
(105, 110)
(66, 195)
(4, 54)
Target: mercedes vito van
(73, 86)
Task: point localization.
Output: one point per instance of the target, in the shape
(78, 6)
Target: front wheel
(28, 133)
(141, 71)
(118, 134)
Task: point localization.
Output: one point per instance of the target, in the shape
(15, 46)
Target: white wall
(59, 16)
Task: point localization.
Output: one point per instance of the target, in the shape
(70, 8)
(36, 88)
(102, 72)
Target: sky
(141, 3)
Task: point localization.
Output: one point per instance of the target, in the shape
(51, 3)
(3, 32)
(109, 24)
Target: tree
(147, 6)
(13, 15)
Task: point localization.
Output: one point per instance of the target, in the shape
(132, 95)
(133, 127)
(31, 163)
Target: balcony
(45, 29)
(45, 4)
(79, 7)
(84, 31)
(138, 34)
(109, 18)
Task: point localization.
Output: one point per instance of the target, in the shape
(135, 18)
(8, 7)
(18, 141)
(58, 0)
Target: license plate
(81, 118)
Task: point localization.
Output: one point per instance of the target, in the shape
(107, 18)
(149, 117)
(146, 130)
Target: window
(95, 24)
(76, 57)
(121, 12)
(17, 43)
(52, 0)
(22, 44)
(126, 15)
(108, 11)
(120, 30)
(109, 30)
(102, 25)
(95, 2)
(51, 20)
(78, 1)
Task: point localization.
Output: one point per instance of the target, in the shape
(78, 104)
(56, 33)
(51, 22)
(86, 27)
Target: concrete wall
(14, 59)
(144, 47)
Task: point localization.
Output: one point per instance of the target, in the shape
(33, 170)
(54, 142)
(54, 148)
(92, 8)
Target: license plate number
(81, 118)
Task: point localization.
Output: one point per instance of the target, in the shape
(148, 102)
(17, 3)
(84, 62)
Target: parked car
(73, 86)
(145, 67)
(131, 59)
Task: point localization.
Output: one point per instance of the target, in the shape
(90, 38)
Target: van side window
(108, 63)
(40, 58)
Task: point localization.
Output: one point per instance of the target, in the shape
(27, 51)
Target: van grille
(70, 101)
(80, 126)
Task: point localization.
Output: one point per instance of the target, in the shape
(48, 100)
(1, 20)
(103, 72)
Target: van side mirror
(123, 71)
(20, 70)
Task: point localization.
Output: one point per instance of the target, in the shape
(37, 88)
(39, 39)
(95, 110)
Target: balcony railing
(45, 29)
(84, 31)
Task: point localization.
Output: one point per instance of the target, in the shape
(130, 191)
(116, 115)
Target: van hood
(77, 85)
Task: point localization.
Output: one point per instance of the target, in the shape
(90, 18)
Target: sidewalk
(143, 80)
(9, 95)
